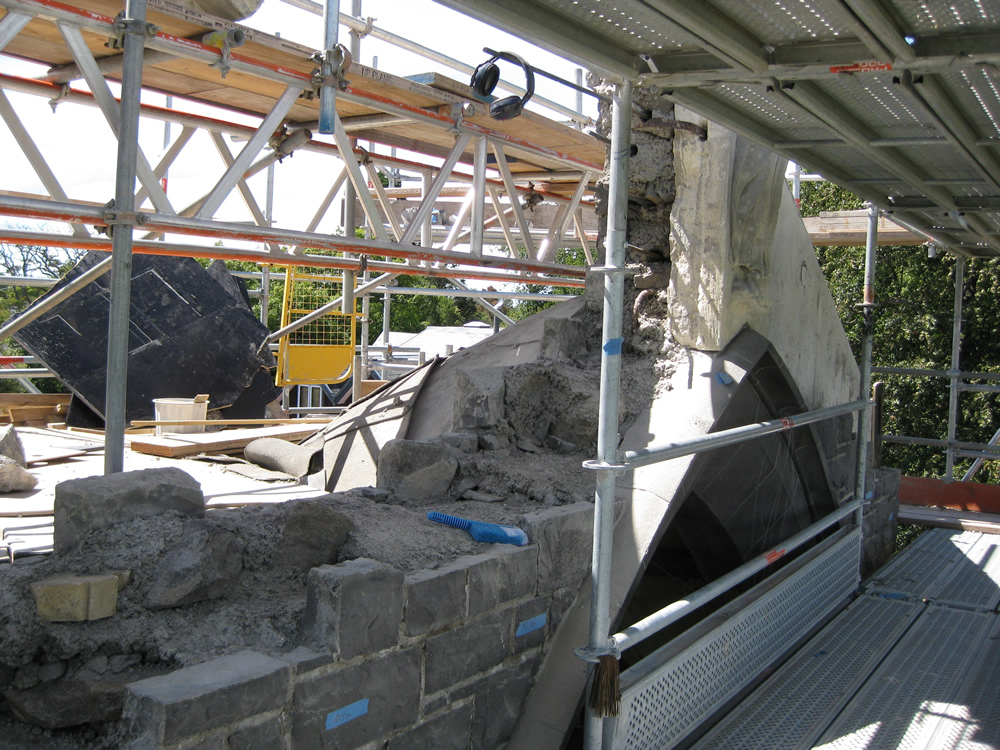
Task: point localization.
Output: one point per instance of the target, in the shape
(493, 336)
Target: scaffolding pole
(867, 333)
(607, 438)
(134, 32)
(954, 373)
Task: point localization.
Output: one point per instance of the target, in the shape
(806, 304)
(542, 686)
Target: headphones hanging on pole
(486, 76)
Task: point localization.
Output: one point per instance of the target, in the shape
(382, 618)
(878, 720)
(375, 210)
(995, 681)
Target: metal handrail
(670, 614)
(656, 454)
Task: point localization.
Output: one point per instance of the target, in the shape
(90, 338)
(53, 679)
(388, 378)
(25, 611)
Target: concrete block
(303, 660)
(192, 700)
(361, 703)
(466, 650)
(270, 733)
(499, 700)
(82, 505)
(76, 598)
(435, 598)
(501, 576)
(354, 608)
(205, 564)
(531, 624)
(449, 731)
(418, 471)
(565, 539)
(313, 535)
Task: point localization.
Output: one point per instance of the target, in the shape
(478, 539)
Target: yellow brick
(61, 599)
(76, 598)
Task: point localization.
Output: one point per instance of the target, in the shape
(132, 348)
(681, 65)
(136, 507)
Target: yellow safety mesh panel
(321, 351)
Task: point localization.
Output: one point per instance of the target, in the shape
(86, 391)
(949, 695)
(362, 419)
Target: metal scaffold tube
(868, 310)
(955, 372)
(134, 33)
(607, 439)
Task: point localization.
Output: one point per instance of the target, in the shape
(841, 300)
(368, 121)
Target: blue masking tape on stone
(345, 714)
(613, 346)
(529, 626)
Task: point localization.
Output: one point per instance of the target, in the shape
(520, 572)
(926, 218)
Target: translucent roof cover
(897, 100)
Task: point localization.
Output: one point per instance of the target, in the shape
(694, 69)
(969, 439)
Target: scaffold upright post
(327, 93)
(607, 438)
(134, 33)
(955, 378)
(867, 333)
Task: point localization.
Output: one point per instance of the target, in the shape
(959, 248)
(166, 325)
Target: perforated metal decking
(914, 663)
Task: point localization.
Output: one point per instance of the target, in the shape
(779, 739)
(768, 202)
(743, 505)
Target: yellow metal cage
(321, 351)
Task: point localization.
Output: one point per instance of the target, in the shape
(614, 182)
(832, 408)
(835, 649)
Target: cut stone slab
(280, 455)
(10, 444)
(82, 505)
(57, 705)
(76, 598)
(206, 696)
(205, 565)
(565, 538)
(14, 477)
(416, 470)
(354, 608)
(313, 536)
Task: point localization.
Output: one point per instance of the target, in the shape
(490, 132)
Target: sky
(78, 146)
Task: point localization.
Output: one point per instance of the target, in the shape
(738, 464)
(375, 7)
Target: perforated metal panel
(902, 705)
(632, 25)
(787, 21)
(919, 572)
(794, 707)
(663, 707)
(975, 578)
(936, 16)
(972, 721)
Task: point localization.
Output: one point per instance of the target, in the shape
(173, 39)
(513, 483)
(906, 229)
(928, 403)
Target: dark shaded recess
(188, 334)
(738, 501)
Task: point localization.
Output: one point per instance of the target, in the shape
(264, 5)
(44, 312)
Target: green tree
(913, 329)
(521, 309)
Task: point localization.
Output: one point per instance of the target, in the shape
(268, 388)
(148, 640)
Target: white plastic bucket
(179, 408)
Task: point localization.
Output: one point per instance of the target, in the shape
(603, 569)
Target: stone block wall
(837, 440)
(880, 520)
(435, 658)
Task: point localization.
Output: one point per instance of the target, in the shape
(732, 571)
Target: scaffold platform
(914, 662)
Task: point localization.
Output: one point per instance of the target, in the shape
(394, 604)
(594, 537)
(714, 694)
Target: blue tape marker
(529, 626)
(345, 714)
(613, 346)
(724, 378)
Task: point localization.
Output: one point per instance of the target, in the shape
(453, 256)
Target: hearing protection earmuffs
(485, 78)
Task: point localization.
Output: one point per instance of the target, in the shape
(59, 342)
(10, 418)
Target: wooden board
(216, 442)
(20, 400)
(245, 92)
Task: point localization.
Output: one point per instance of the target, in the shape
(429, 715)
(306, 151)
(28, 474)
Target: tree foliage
(521, 309)
(915, 295)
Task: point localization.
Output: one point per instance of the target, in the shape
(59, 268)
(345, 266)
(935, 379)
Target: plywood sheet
(216, 442)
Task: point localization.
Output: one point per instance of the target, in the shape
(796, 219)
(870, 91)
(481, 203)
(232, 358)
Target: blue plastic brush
(482, 531)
